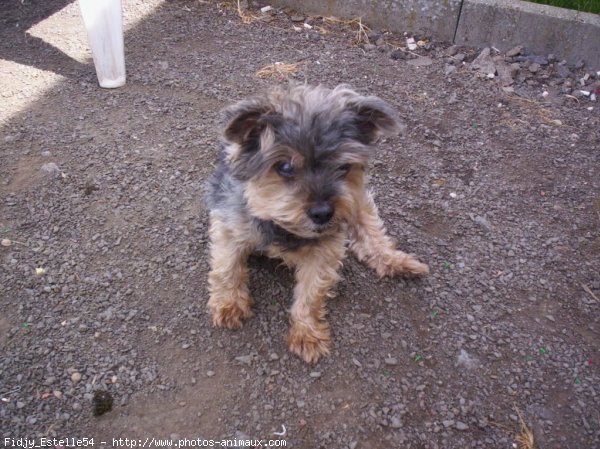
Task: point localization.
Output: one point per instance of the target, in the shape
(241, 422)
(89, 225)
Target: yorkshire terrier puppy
(291, 184)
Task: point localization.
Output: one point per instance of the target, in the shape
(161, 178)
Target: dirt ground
(498, 190)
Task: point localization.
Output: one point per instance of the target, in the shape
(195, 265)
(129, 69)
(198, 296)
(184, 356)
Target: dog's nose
(321, 213)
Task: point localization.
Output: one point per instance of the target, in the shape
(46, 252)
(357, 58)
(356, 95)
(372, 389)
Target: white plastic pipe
(104, 24)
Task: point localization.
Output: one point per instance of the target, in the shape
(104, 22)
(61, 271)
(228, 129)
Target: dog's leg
(316, 275)
(370, 243)
(229, 301)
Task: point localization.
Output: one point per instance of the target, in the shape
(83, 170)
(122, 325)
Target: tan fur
(316, 267)
(370, 244)
(266, 203)
(229, 301)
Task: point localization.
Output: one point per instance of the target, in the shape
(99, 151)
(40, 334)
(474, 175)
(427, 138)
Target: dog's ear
(373, 117)
(244, 121)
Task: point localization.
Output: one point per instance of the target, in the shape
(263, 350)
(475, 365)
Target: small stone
(449, 69)
(273, 356)
(515, 51)
(461, 425)
(465, 359)
(103, 402)
(395, 422)
(75, 377)
(297, 18)
(484, 63)
(534, 68)
(448, 423)
(315, 374)
(210, 373)
(451, 51)
(185, 346)
(483, 222)
(244, 359)
(51, 170)
(398, 55)
(420, 62)
(392, 361)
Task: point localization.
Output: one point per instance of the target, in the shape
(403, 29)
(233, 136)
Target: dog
(290, 184)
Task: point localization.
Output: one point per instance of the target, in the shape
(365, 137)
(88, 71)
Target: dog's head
(301, 152)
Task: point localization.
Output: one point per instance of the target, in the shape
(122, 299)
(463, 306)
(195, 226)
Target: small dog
(291, 184)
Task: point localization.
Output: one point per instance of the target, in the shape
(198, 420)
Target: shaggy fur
(290, 184)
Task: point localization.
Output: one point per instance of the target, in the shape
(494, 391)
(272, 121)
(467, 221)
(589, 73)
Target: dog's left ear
(243, 120)
(374, 117)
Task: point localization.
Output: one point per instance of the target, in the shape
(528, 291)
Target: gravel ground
(493, 182)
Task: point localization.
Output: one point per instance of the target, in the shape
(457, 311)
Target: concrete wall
(503, 24)
(570, 35)
(433, 17)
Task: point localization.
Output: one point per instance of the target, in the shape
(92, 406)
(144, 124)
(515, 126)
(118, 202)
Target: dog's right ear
(244, 122)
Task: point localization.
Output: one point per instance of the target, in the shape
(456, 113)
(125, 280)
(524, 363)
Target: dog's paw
(399, 262)
(230, 313)
(309, 342)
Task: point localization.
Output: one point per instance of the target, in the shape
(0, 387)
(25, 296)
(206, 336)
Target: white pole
(104, 24)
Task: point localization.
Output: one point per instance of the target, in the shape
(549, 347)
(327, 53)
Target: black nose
(321, 213)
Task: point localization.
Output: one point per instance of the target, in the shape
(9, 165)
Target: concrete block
(541, 29)
(435, 18)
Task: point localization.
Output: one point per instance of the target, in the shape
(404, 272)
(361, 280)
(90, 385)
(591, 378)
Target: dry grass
(362, 31)
(533, 107)
(279, 69)
(524, 437)
(236, 5)
(245, 16)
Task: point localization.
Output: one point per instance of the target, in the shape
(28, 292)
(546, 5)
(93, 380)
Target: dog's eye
(285, 169)
(345, 168)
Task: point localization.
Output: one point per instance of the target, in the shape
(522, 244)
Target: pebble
(420, 62)
(514, 51)
(448, 423)
(75, 377)
(392, 361)
(398, 55)
(461, 425)
(244, 359)
(51, 169)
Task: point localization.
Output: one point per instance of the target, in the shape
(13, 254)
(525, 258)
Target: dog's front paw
(309, 341)
(229, 312)
(399, 262)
